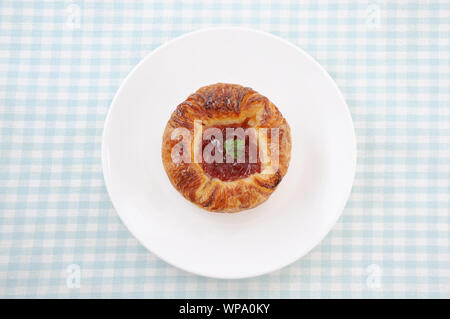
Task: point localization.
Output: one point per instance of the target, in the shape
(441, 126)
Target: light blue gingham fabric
(61, 63)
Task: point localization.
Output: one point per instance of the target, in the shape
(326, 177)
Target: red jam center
(230, 171)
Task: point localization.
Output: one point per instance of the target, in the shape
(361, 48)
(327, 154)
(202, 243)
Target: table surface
(60, 65)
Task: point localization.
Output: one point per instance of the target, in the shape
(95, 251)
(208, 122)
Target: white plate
(299, 213)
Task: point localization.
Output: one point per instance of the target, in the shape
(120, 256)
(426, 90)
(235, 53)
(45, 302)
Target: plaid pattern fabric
(60, 65)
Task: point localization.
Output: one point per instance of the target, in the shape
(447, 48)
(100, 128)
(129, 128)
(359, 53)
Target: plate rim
(331, 224)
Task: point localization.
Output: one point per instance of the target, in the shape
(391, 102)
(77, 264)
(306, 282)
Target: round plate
(299, 213)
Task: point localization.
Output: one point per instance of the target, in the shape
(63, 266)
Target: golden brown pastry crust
(223, 104)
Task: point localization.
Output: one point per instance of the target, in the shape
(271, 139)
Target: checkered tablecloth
(61, 63)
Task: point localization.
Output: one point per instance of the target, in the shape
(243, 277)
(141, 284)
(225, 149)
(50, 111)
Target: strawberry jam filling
(235, 154)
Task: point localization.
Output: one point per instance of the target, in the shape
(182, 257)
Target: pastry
(226, 148)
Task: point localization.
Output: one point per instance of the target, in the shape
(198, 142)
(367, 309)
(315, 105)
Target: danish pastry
(226, 148)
